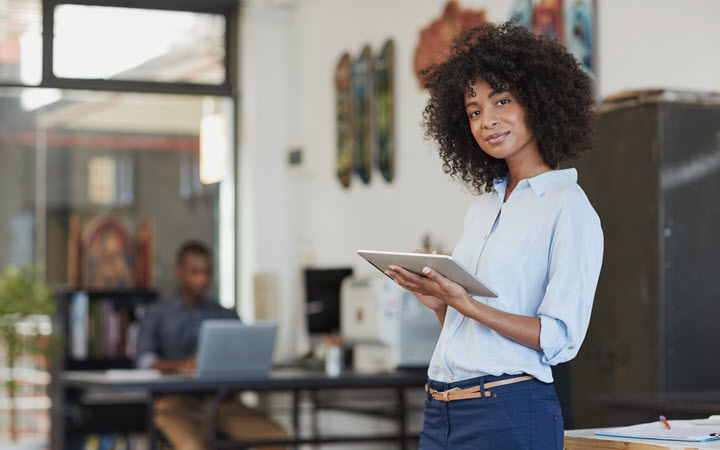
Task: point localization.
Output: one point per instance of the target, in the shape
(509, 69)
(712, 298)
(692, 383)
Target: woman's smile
(496, 138)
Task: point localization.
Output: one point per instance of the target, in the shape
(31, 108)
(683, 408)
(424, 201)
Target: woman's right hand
(430, 301)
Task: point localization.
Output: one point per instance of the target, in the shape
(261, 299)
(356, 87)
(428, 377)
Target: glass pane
(138, 45)
(131, 158)
(17, 247)
(74, 165)
(17, 179)
(21, 42)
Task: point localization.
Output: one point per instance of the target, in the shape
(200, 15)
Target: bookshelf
(99, 329)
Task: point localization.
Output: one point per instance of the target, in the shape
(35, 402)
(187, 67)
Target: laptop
(228, 347)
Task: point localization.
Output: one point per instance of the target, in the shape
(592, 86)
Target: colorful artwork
(579, 31)
(522, 12)
(435, 39)
(385, 110)
(547, 19)
(569, 21)
(344, 122)
(362, 122)
(143, 254)
(105, 256)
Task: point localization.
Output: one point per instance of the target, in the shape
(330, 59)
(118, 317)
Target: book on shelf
(94, 330)
(131, 340)
(109, 441)
(99, 329)
(79, 325)
(92, 442)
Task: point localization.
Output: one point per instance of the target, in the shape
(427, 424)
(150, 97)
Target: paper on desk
(132, 374)
(680, 430)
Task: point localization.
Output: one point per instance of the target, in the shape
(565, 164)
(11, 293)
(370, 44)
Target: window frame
(225, 8)
(229, 88)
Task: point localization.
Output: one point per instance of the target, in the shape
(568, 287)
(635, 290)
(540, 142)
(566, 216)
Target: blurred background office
(128, 127)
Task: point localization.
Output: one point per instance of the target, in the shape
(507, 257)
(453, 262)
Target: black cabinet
(654, 179)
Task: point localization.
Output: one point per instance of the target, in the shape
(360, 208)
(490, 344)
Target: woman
(507, 108)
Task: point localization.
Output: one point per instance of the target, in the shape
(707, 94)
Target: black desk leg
(296, 415)
(153, 443)
(314, 415)
(401, 417)
(212, 417)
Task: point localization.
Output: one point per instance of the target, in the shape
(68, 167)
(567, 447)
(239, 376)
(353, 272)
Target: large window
(166, 46)
(128, 157)
(76, 144)
(119, 113)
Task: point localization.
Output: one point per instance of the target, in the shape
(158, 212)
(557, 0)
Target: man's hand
(175, 366)
(189, 364)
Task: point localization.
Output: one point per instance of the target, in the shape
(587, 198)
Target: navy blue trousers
(523, 415)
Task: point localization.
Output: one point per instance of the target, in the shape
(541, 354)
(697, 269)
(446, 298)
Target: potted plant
(23, 296)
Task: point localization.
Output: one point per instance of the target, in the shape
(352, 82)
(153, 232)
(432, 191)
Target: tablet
(444, 264)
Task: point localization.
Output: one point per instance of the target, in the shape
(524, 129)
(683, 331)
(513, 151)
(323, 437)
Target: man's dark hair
(539, 72)
(192, 248)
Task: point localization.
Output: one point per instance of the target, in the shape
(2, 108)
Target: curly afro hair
(542, 76)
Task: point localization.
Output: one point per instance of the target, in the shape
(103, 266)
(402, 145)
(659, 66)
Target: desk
(293, 380)
(587, 439)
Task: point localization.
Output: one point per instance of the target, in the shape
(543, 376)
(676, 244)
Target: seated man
(168, 342)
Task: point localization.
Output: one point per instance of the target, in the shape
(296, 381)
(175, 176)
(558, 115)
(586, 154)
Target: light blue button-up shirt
(541, 251)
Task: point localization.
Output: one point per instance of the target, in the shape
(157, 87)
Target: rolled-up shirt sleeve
(575, 259)
(147, 343)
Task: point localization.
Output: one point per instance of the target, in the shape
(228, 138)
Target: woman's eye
(503, 101)
(474, 113)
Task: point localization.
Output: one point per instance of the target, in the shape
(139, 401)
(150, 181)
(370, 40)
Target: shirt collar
(541, 183)
(179, 301)
(500, 184)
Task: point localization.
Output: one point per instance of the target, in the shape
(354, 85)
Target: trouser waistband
(473, 391)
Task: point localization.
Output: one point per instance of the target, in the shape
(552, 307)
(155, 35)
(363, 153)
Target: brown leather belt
(473, 392)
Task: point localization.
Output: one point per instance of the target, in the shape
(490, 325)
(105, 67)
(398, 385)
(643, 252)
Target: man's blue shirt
(171, 327)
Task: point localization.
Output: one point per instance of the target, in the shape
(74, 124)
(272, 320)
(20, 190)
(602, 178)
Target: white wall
(659, 43)
(289, 52)
(266, 125)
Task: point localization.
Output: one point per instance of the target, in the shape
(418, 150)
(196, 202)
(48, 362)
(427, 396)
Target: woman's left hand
(432, 284)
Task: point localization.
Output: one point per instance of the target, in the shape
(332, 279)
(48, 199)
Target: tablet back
(230, 347)
(443, 264)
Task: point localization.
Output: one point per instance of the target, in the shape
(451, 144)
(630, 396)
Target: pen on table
(664, 420)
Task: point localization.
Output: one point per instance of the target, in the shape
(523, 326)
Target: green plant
(23, 294)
